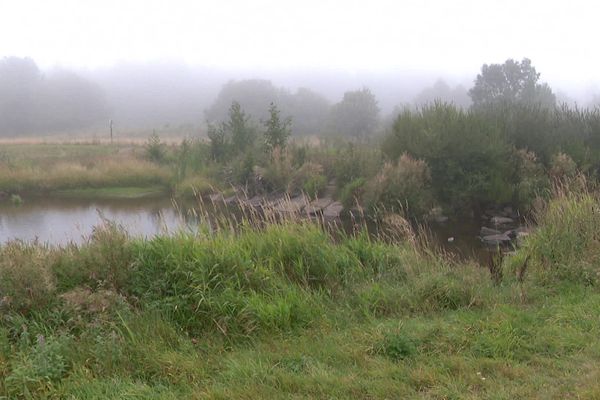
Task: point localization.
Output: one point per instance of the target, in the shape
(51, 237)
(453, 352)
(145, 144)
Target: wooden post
(110, 123)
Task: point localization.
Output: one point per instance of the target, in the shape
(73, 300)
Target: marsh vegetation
(276, 300)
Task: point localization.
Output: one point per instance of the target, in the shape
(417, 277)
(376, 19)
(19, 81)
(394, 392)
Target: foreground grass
(285, 311)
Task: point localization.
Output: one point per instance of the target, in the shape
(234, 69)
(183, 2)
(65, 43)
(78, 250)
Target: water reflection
(60, 221)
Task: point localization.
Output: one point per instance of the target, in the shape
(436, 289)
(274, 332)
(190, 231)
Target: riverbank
(284, 310)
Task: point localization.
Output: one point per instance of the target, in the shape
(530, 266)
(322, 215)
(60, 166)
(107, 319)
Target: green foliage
(511, 82)
(233, 285)
(243, 169)
(308, 108)
(353, 192)
(396, 346)
(16, 200)
(26, 282)
(401, 187)
(277, 174)
(314, 186)
(469, 160)
(309, 178)
(357, 115)
(104, 262)
(219, 143)
(352, 162)
(277, 130)
(562, 166)
(532, 180)
(193, 187)
(155, 150)
(37, 367)
(565, 245)
(242, 135)
(293, 309)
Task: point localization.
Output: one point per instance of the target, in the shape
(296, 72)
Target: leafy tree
(470, 161)
(356, 115)
(218, 141)
(308, 108)
(58, 100)
(242, 134)
(155, 150)
(309, 111)
(511, 82)
(278, 130)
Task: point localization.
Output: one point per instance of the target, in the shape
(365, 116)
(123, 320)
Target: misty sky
(453, 37)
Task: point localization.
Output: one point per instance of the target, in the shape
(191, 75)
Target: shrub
(308, 178)
(104, 261)
(194, 186)
(469, 158)
(353, 162)
(26, 281)
(402, 186)
(562, 166)
(44, 363)
(315, 186)
(155, 150)
(532, 181)
(352, 194)
(566, 244)
(396, 346)
(277, 174)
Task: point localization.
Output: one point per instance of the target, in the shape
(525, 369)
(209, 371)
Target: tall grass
(70, 175)
(286, 307)
(566, 245)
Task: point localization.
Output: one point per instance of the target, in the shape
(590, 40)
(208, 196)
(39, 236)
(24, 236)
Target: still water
(58, 221)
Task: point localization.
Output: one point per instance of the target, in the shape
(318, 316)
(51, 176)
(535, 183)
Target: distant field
(42, 166)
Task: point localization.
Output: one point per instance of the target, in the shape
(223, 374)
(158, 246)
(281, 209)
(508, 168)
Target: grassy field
(34, 168)
(285, 311)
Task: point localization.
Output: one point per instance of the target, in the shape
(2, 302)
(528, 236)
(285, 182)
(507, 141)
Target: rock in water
(318, 205)
(501, 221)
(333, 210)
(485, 231)
(496, 240)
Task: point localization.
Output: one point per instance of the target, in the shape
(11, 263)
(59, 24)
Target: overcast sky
(456, 37)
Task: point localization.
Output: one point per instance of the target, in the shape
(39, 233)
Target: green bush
(37, 367)
(155, 150)
(105, 260)
(565, 246)
(352, 194)
(396, 346)
(401, 187)
(26, 279)
(469, 158)
(532, 182)
(309, 179)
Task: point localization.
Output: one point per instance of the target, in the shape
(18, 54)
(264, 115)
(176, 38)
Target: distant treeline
(33, 101)
(36, 102)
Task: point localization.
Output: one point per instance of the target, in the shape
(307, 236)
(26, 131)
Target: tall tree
(512, 82)
(356, 115)
(242, 134)
(278, 130)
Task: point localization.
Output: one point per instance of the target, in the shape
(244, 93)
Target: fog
(68, 66)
